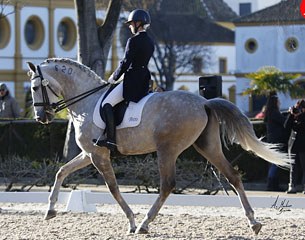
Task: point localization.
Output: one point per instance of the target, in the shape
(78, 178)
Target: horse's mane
(79, 65)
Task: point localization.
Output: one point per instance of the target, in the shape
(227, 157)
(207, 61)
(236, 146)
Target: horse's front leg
(103, 165)
(80, 161)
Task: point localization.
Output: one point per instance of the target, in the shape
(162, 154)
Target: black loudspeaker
(210, 86)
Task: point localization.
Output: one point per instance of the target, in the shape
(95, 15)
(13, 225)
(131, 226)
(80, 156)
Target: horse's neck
(73, 84)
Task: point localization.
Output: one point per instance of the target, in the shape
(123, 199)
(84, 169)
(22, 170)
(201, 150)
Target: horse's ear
(31, 66)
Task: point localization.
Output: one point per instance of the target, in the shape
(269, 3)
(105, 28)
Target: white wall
(271, 48)
(227, 52)
(271, 51)
(255, 4)
(261, 4)
(43, 51)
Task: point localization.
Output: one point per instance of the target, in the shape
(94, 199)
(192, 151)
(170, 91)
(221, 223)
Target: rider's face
(132, 27)
(135, 27)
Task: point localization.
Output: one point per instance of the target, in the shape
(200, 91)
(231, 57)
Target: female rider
(135, 84)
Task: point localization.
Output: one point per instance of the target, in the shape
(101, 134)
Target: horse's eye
(35, 89)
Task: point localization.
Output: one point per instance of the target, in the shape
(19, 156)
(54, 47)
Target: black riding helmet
(139, 15)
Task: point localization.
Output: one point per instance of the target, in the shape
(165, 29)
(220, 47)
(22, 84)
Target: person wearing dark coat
(135, 85)
(296, 121)
(9, 107)
(275, 121)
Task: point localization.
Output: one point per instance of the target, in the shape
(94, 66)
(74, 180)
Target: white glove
(111, 80)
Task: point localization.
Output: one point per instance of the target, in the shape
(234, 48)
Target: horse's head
(45, 91)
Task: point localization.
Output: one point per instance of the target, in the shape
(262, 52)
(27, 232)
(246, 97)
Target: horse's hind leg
(167, 169)
(103, 165)
(209, 145)
(80, 161)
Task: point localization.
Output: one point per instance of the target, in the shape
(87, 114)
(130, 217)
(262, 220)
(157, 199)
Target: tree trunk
(94, 43)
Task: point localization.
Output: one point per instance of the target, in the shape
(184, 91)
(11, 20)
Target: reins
(62, 104)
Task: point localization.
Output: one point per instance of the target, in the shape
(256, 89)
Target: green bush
(27, 138)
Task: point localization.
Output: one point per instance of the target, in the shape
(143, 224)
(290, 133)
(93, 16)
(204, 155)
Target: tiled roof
(218, 10)
(189, 29)
(214, 10)
(284, 11)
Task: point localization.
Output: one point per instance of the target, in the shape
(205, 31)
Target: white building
(271, 37)
(35, 30)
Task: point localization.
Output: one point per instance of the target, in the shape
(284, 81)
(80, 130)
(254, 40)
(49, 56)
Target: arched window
(34, 32)
(251, 45)
(291, 44)
(66, 34)
(5, 31)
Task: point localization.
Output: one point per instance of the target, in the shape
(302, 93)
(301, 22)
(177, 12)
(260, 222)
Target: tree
(94, 43)
(270, 79)
(172, 57)
(3, 5)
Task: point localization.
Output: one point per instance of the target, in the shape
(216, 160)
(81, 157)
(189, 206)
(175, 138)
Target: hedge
(36, 142)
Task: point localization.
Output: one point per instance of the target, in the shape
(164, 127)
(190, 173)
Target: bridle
(62, 104)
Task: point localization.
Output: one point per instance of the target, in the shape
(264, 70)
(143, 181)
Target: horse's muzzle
(44, 117)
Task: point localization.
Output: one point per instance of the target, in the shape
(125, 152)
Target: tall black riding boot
(110, 141)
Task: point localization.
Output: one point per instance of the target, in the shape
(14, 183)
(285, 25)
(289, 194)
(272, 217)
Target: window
(34, 32)
(291, 44)
(222, 65)
(251, 45)
(244, 9)
(5, 31)
(197, 65)
(30, 32)
(66, 34)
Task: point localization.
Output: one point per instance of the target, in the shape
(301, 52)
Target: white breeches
(115, 96)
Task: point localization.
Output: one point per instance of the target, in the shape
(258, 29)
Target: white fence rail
(85, 200)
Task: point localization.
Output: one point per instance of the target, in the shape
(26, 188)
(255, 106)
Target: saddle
(118, 110)
(126, 114)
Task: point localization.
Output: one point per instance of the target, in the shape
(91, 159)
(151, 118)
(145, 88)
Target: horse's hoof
(142, 230)
(50, 214)
(256, 227)
(131, 230)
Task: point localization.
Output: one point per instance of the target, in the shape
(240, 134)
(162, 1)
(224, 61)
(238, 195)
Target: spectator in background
(296, 121)
(261, 114)
(8, 105)
(274, 120)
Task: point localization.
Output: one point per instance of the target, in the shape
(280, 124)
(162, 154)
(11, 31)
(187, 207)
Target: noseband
(62, 104)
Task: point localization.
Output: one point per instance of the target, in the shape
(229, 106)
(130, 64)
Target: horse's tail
(236, 128)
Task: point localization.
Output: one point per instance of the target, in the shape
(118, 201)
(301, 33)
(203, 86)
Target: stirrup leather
(105, 143)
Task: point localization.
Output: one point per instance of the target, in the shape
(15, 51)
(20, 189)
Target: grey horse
(171, 122)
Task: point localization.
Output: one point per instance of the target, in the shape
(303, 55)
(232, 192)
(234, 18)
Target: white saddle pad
(132, 117)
